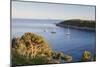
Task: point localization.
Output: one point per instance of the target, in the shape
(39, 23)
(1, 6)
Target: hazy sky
(33, 10)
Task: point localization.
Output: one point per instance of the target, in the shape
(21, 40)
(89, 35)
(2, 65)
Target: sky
(36, 10)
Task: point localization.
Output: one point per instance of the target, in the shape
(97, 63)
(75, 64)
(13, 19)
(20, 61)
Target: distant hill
(78, 23)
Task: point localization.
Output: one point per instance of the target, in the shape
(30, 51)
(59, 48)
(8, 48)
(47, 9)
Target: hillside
(78, 23)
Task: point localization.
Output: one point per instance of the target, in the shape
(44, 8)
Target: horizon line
(52, 19)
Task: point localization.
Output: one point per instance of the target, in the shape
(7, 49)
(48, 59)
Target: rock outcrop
(31, 45)
(32, 49)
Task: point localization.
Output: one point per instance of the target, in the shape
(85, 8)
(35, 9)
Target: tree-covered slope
(78, 23)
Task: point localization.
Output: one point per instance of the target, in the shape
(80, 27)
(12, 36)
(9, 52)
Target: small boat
(53, 32)
(68, 31)
(45, 30)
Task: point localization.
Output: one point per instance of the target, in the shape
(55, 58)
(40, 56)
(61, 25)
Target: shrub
(86, 56)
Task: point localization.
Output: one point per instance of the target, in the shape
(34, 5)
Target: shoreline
(76, 27)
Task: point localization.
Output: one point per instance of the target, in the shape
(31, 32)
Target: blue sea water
(73, 44)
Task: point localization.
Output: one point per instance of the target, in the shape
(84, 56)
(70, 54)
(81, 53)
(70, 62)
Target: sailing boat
(45, 30)
(68, 31)
(53, 32)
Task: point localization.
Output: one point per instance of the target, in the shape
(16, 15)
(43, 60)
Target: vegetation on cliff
(28, 47)
(33, 49)
(86, 56)
(78, 23)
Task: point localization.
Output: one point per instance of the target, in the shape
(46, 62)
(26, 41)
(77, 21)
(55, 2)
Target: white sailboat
(68, 31)
(45, 30)
(53, 32)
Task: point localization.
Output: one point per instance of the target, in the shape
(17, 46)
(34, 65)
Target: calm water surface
(74, 44)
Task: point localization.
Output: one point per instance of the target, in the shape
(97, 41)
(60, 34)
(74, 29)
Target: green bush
(86, 56)
(22, 60)
(30, 49)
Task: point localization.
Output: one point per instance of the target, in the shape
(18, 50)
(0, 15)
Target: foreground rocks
(32, 49)
(30, 45)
